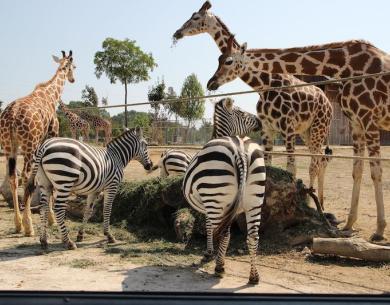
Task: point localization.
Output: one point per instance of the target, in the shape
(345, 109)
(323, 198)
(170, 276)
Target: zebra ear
(138, 131)
(229, 104)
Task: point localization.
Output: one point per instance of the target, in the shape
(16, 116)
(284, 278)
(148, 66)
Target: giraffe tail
(228, 217)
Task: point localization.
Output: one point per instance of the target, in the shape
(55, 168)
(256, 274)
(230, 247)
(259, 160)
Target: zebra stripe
(173, 162)
(231, 121)
(68, 166)
(225, 178)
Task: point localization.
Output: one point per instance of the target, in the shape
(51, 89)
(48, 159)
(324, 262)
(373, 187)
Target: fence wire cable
(187, 99)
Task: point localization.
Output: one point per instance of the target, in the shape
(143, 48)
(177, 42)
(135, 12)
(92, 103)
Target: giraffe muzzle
(178, 35)
(212, 84)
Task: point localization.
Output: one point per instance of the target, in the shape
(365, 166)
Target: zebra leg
(87, 215)
(209, 254)
(44, 209)
(253, 222)
(109, 195)
(60, 203)
(222, 248)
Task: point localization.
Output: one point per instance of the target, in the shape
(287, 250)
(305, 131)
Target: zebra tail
(228, 217)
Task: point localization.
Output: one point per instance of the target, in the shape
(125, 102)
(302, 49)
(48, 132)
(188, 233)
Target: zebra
(225, 178)
(231, 121)
(173, 162)
(63, 166)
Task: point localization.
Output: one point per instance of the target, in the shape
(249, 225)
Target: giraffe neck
(220, 33)
(342, 59)
(53, 88)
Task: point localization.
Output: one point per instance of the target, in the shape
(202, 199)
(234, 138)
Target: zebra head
(141, 153)
(231, 121)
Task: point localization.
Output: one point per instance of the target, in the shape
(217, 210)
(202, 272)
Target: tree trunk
(351, 247)
(126, 124)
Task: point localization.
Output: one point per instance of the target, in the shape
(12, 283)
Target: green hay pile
(156, 207)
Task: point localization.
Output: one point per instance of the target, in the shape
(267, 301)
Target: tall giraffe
(305, 111)
(98, 123)
(365, 102)
(26, 122)
(76, 123)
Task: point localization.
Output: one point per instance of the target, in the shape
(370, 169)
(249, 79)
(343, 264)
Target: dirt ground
(158, 265)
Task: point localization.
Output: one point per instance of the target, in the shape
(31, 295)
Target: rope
(280, 153)
(187, 99)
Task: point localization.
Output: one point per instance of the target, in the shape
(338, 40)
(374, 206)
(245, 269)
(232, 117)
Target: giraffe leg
(267, 137)
(373, 147)
(290, 148)
(109, 195)
(222, 248)
(357, 172)
(60, 201)
(73, 133)
(97, 135)
(13, 182)
(51, 216)
(27, 220)
(91, 201)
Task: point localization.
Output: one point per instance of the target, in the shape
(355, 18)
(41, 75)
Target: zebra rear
(173, 162)
(225, 178)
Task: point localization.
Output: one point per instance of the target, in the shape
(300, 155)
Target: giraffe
(98, 124)
(76, 123)
(305, 111)
(365, 102)
(26, 122)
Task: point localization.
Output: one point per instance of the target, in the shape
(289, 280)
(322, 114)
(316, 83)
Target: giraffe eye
(228, 61)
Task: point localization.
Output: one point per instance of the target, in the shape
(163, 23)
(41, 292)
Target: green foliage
(135, 118)
(193, 109)
(123, 60)
(89, 96)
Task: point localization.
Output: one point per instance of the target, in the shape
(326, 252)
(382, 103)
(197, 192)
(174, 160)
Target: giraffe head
(199, 22)
(66, 65)
(231, 64)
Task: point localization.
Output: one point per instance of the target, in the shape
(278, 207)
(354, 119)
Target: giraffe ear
(229, 104)
(56, 59)
(205, 7)
(243, 47)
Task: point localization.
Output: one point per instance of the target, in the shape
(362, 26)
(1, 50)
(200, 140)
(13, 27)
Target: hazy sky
(31, 31)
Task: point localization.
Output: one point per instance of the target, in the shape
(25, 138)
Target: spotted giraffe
(25, 123)
(76, 123)
(305, 111)
(98, 124)
(365, 102)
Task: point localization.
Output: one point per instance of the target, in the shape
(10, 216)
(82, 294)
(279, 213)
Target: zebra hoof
(219, 271)
(111, 239)
(71, 245)
(44, 244)
(254, 280)
(80, 237)
(207, 257)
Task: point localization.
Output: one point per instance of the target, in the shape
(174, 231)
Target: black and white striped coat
(173, 162)
(232, 121)
(66, 166)
(225, 178)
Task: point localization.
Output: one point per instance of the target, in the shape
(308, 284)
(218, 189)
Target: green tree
(155, 94)
(192, 109)
(89, 97)
(124, 61)
(105, 101)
